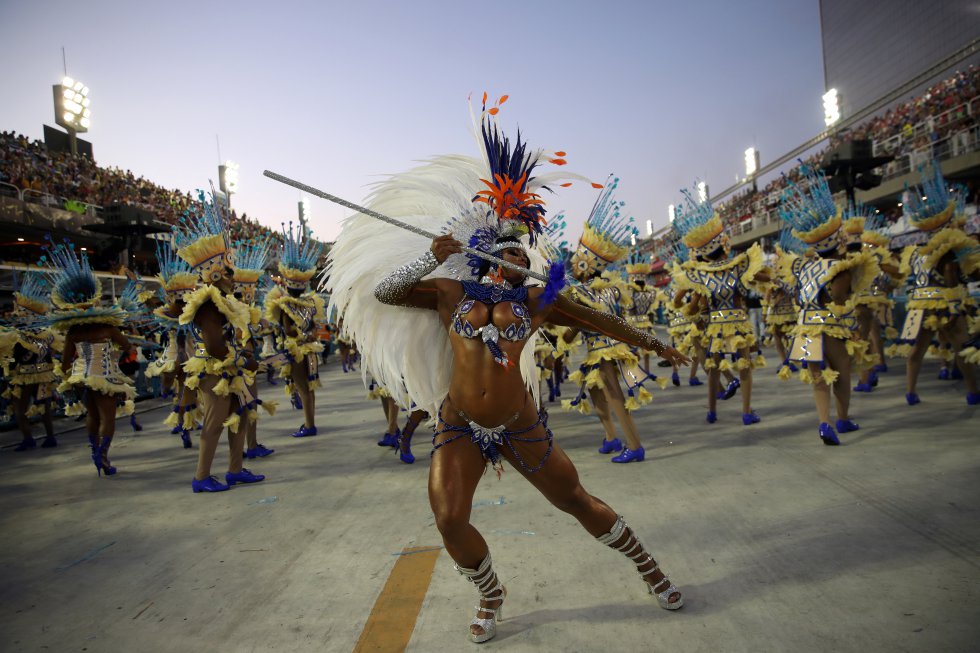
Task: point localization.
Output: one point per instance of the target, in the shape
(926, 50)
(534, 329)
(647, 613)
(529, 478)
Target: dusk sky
(338, 94)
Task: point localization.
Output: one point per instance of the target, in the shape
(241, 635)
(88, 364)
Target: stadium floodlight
(702, 191)
(228, 177)
(831, 107)
(671, 213)
(649, 227)
(304, 210)
(71, 105)
(751, 161)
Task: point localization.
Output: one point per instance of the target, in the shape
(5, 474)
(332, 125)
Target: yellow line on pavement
(392, 620)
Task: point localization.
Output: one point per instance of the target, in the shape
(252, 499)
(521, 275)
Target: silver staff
(398, 223)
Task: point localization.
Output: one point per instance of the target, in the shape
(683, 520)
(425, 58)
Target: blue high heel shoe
(136, 425)
(404, 448)
(827, 434)
(912, 398)
(712, 417)
(846, 426)
(955, 374)
(185, 437)
(26, 445)
(694, 381)
(862, 387)
(973, 398)
(630, 456)
(100, 456)
(608, 446)
(49, 442)
(944, 374)
(390, 439)
(730, 391)
(675, 378)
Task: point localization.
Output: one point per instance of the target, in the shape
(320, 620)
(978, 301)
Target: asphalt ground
(778, 542)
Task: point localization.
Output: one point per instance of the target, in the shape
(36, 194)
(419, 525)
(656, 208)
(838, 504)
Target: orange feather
(559, 154)
(566, 184)
(493, 111)
(484, 97)
(558, 162)
(595, 185)
(503, 98)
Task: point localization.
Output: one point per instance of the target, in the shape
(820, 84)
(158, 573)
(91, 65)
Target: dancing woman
(487, 412)
(939, 302)
(28, 345)
(826, 282)
(93, 345)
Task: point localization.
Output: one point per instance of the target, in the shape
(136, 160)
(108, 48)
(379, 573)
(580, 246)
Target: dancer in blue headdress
(26, 348)
(93, 345)
(295, 315)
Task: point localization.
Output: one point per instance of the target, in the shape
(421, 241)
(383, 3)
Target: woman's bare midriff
(488, 393)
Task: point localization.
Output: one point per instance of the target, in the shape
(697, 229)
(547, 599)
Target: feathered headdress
(854, 221)
(73, 284)
(202, 240)
(251, 257)
(31, 298)
(790, 243)
(637, 264)
(298, 256)
(176, 276)
(699, 225)
(876, 230)
(811, 211)
(934, 204)
(607, 234)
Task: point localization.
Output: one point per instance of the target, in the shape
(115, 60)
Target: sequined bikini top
(492, 296)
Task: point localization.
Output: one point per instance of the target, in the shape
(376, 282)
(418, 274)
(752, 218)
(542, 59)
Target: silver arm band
(394, 288)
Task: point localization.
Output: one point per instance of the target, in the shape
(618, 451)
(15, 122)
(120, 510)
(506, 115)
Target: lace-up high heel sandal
(490, 589)
(622, 538)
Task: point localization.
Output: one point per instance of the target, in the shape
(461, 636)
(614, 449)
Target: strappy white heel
(490, 589)
(632, 548)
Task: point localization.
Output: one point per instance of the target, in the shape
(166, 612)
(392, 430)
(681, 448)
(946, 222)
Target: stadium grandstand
(941, 123)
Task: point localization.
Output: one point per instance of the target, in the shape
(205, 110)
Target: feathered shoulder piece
(809, 208)
(202, 239)
(935, 204)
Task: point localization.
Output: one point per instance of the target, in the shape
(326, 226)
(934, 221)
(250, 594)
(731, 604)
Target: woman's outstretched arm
(566, 312)
(404, 286)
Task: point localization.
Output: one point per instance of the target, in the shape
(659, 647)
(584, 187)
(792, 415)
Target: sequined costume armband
(394, 288)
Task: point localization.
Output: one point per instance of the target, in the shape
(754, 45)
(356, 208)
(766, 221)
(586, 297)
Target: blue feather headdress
(31, 298)
(607, 235)
(934, 204)
(177, 279)
(251, 259)
(202, 239)
(811, 211)
(73, 284)
(298, 256)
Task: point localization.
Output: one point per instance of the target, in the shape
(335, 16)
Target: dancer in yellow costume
(720, 284)
(295, 315)
(939, 303)
(779, 304)
(177, 281)
(605, 240)
(222, 369)
(872, 306)
(251, 259)
(826, 282)
(26, 346)
(93, 345)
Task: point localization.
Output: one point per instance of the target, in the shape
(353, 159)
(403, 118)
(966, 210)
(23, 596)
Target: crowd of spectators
(54, 179)
(945, 112)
